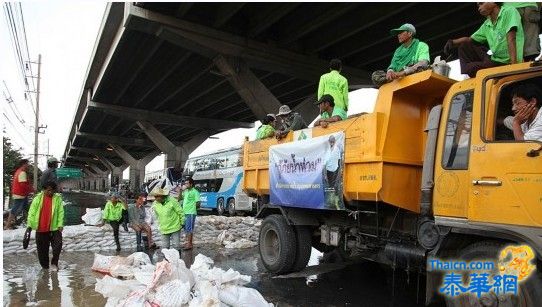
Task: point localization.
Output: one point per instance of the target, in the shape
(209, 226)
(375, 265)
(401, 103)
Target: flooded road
(365, 284)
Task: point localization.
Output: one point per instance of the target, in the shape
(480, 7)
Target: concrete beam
(307, 109)
(92, 151)
(257, 97)
(137, 167)
(176, 156)
(118, 140)
(225, 12)
(210, 42)
(167, 118)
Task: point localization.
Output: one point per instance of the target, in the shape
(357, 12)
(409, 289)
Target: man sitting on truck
(267, 129)
(410, 57)
(502, 32)
(527, 120)
(329, 112)
(290, 121)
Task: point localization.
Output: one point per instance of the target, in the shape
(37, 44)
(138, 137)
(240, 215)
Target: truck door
(505, 173)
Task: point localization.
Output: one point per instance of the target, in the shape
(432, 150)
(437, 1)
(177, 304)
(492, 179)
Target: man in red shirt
(46, 216)
(20, 188)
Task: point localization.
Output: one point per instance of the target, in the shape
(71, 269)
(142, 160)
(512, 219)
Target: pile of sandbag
(92, 216)
(170, 283)
(231, 232)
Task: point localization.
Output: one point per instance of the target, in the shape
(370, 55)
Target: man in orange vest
(20, 188)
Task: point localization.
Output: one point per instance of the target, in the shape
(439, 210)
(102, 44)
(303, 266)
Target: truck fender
(294, 216)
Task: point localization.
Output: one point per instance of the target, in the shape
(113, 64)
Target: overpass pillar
(116, 171)
(137, 167)
(176, 156)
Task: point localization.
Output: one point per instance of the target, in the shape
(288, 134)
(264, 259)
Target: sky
(64, 33)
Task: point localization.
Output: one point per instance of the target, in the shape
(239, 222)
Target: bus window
(201, 185)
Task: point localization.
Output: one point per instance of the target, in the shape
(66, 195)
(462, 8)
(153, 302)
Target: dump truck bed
(383, 150)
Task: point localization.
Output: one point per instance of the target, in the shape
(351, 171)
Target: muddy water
(365, 284)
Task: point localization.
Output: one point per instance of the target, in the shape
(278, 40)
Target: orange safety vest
(20, 188)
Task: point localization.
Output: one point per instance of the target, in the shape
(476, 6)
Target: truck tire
(303, 248)
(231, 207)
(220, 206)
(277, 244)
(529, 292)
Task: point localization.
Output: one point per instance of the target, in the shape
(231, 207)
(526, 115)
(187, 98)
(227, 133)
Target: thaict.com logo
(514, 265)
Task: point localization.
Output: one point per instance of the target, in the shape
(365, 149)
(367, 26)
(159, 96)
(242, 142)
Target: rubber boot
(138, 240)
(118, 244)
(188, 244)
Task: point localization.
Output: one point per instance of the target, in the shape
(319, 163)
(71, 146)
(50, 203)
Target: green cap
(406, 27)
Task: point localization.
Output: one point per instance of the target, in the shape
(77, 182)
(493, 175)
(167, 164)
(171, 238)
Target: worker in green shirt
(334, 84)
(267, 129)
(115, 213)
(329, 112)
(191, 203)
(502, 33)
(410, 57)
(170, 217)
(530, 16)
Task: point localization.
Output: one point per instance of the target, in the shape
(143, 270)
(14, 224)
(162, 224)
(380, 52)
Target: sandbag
(173, 293)
(236, 296)
(93, 216)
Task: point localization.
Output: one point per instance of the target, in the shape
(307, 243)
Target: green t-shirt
(407, 56)
(170, 215)
(265, 131)
(334, 84)
(190, 198)
(494, 35)
(113, 212)
(336, 112)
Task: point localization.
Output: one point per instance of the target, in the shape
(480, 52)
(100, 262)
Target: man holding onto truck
(334, 84)
(290, 121)
(527, 121)
(410, 57)
(329, 112)
(530, 16)
(502, 32)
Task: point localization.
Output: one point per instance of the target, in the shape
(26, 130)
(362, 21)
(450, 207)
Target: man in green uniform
(329, 112)
(334, 84)
(502, 32)
(170, 217)
(190, 204)
(46, 217)
(410, 57)
(114, 213)
(290, 121)
(267, 129)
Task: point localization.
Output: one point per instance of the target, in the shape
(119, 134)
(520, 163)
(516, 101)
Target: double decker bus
(219, 176)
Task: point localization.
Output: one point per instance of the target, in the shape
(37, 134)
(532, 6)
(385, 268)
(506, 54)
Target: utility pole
(37, 126)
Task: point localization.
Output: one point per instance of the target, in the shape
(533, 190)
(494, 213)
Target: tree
(12, 156)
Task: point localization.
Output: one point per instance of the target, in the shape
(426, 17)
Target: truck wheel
(231, 207)
(529, 292)
(303, 248)
(220, 206)
(277, 244)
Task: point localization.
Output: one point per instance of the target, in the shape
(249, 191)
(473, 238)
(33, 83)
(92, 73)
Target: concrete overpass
(163, 77)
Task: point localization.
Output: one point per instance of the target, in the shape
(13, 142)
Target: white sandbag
(112, 287)
(205, 295)
(144, 274)
(139, 259)
(236, 296)
(122, 271)
(93, 216)
(172, 294)
(178, 267)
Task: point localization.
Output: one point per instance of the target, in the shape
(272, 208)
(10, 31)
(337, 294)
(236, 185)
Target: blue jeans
(175, 237)
(189, 223)
(19, 205)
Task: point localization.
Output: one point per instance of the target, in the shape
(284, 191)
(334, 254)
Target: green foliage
(11, 158)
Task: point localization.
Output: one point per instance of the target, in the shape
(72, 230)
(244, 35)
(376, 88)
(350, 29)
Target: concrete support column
(137, 167)
(116, 171)
(176, 156)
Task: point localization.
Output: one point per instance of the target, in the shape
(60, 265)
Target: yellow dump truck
(433, 172)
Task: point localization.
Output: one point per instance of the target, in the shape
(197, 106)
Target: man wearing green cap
(502, 32)
(411, 56)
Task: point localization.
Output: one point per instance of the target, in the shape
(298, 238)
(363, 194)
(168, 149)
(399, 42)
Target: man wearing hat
(115, 213)
(170, 217)
(502, 32)
(50, 173)
(412, 55)
(290, 121)
(267, 129)
(329, 112)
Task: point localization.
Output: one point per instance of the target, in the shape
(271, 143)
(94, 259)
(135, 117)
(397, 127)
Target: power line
(26, 44)
(12, 105)
(16, 130)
